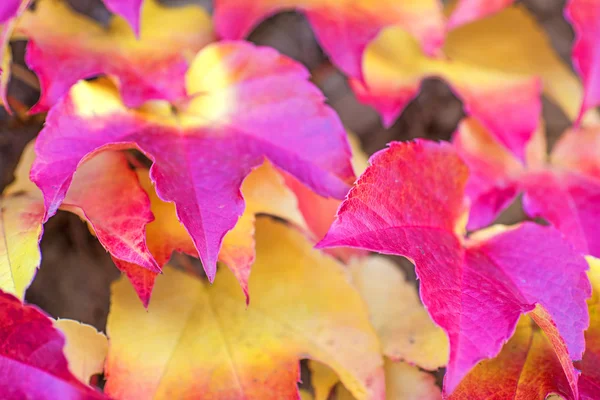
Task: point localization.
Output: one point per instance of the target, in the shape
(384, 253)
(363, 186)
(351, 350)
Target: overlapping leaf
(65, 47)
(118, 217)
(343, 28)
(264, 192)
(304, 306)
(589, 383)
(409, 202)
(564, 190)
(499, 84)
(248, 103)
(31, 357)
(9, 11)
(585, 19)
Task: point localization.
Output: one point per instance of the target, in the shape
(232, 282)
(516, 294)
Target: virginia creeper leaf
(472, 10)
(520, 47)
(243, 101)
(129, 10)
(527, 368)
(31, 356)
(564, 190)
(585, 19)
(404, 328)
(65, 47)
(264, 193)
(217, 346)
(118, 217)
(409, 202)
(85, 348)
(343, 28)
(394, 66)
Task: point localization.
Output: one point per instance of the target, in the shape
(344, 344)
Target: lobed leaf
(65, 47)
(218, 346)
(409, 202)
(243, 101)
(31, 356)
(394, 66)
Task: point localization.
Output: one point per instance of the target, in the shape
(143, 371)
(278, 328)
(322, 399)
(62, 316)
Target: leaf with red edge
(65, 47)
(394, 66)
(563, 188)
(471, 10)
(247, 103)
(584, 16)
(129, 10)
(264, 192)
(343, 28)
(118, 217)
(409, 202)
(32, 361)
(527, 368)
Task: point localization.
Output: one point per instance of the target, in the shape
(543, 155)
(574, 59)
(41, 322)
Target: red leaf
(409, 202)
(248, 103)
(585, 19)
(31, 357)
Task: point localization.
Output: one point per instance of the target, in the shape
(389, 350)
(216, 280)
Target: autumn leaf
(31, 356)
(343, 28)
(9, 11)
(217, 346)
(65, 47)
(527, 368)
(563, 188)
(248, 103)
(499, 85)
(85, 348)
(118, 218)
(394, 66)
(409, 202)
(522, 48)
(403, 326)
(264, 192)
(584, 16)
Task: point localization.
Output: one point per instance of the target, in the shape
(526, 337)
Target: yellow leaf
(85, 348)
(201, 338)
(403, 325)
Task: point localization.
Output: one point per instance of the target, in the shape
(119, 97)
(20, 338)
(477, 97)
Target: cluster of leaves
(234, 131)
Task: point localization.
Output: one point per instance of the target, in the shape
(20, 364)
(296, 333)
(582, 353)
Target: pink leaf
(128, 9)
(409, 202)
(251, 103)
